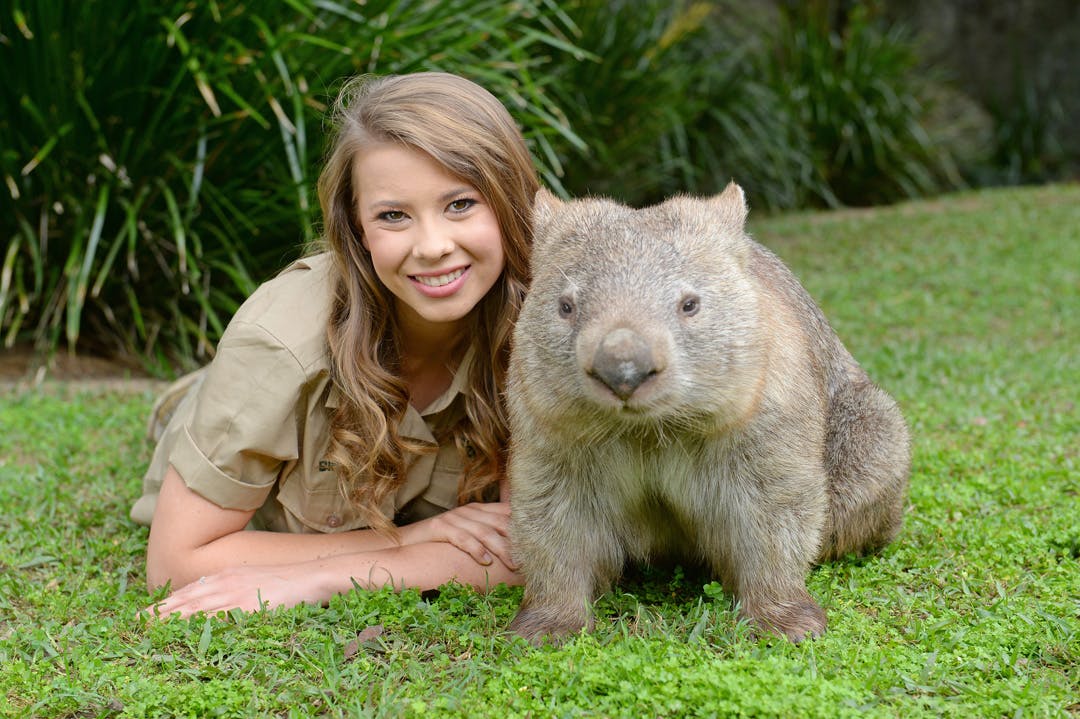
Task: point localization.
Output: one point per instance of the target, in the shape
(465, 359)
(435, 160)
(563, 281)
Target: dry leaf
(368, 634)
(372, 632)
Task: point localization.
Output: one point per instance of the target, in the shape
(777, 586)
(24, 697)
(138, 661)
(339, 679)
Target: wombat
(675, 393)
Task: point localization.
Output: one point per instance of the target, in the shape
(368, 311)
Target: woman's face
(434, 241)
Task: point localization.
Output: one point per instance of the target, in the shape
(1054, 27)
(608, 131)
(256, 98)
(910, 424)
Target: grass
(966, 308)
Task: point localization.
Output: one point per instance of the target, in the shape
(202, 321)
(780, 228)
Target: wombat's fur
(674, 392)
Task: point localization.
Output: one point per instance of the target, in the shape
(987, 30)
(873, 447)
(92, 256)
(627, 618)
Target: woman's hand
(247, 588)
(480, 529)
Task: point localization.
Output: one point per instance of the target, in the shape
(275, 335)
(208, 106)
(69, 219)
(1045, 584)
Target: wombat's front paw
(539, 626)
(795, 619)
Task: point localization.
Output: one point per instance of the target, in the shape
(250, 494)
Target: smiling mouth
(439, 280)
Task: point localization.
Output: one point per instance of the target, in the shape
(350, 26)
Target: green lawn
(967, 309)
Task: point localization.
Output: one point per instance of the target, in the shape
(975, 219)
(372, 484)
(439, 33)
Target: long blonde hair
(467, 131)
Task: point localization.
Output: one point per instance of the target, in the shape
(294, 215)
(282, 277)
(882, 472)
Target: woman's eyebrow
(444, 197)
(463, 190)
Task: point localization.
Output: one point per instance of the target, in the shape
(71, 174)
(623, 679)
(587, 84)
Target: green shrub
(1026, 147)
(853, 86)
(159, 158)
(628, 97)
(668, 101)
(747, 132)
(798, 106)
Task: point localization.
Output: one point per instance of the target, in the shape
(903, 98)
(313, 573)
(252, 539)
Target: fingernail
(485, 559)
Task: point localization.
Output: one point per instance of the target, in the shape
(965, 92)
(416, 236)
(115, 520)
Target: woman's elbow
(160, 574)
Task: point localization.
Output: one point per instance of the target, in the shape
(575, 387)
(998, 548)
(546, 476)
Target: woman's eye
(392, 216)
(462, 204)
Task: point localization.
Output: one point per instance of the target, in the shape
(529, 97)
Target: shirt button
(333, 521)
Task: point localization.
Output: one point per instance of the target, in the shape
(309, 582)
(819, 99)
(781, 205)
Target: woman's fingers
(481, 530)
(245, 588)
(204, 595)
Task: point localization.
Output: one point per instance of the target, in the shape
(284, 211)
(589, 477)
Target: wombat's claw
(531, 626)
(795, 620)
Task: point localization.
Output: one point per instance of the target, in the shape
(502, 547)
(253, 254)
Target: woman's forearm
(205, 553)
(422, 566)
(191, 537)
(256, 548)
(182, 565)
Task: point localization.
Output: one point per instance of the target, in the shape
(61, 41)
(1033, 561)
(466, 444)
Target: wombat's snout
(623, 361)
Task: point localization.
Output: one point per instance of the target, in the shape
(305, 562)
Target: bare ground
(21, 369)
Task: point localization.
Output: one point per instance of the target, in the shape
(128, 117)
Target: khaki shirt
(252, 432)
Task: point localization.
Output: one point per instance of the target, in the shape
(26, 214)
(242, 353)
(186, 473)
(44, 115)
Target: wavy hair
(468, 132)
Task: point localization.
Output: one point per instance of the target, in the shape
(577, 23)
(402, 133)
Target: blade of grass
(77, 290)
(41, 154)
(179, 237)
(6, 273)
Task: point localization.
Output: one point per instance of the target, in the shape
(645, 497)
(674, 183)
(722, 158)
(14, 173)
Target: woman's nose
(433, 242)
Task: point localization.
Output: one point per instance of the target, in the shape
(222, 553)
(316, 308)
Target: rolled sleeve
(201, 475)
(244, 425)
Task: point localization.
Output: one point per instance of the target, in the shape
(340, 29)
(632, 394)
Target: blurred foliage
(1014, 64)
(159, 158)
(631, 98)
(671, 100)
(808, 103)
(1026, 147)
(854, 85)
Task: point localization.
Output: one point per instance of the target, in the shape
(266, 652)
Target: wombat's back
(787, 296)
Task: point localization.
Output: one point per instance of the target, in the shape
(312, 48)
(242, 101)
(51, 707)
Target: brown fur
(737, 431)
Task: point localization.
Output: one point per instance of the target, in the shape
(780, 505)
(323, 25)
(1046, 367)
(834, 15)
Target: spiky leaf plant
(158, 158)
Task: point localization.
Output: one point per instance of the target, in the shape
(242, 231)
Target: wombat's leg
(763, 548)
(551, 613)
(568, 555)
(868, 456)
(563, 575)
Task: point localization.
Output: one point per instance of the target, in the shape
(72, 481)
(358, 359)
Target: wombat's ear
(545, 205)
(731, 203)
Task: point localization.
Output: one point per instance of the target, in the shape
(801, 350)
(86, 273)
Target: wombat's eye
(566, 307)
(690, 305)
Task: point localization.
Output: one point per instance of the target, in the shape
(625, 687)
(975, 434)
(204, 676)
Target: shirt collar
(458, 385)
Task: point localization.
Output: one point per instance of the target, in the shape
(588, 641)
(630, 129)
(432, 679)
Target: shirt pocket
(445, 477)
(315, 500)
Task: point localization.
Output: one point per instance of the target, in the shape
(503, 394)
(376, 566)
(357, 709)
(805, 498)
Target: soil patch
(22, 368)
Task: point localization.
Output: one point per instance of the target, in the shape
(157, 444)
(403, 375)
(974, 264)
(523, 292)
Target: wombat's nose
(623, 361)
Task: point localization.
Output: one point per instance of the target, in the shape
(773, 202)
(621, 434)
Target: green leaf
(77, 290)
(41, 154)
(204, 639)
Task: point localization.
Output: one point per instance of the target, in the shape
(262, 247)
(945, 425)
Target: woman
(351, 427)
